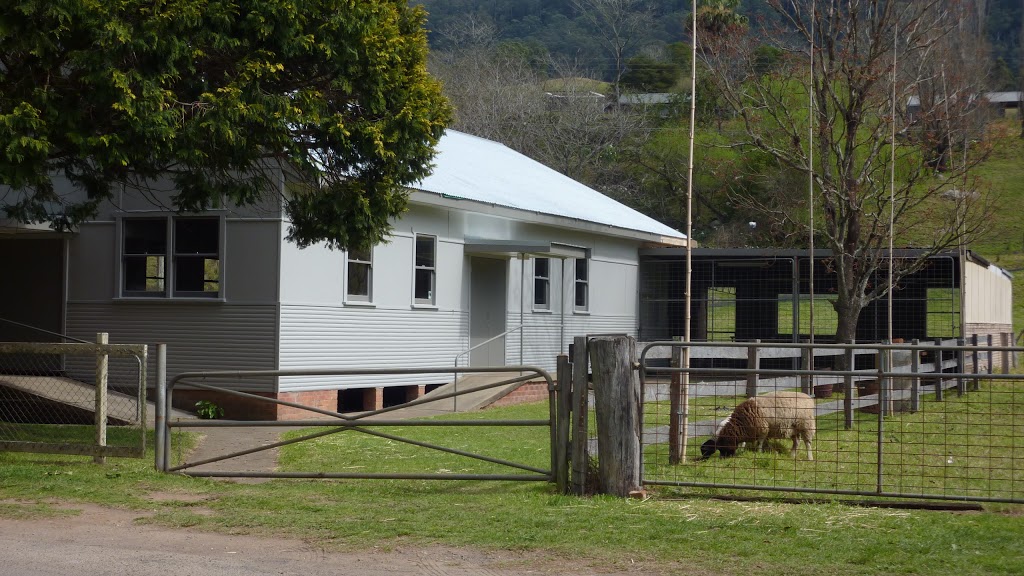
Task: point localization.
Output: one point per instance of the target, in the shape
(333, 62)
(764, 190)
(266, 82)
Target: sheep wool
(777, 415)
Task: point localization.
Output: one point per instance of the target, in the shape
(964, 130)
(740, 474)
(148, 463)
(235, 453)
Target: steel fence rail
(362, 423)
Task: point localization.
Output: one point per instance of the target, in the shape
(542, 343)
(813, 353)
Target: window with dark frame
(542, 283)
(190, 268)
(360, 275)
(143, 257)
(425, 269)
(582, 285)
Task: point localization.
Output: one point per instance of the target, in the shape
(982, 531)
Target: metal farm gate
(396, 424)
(925, 421)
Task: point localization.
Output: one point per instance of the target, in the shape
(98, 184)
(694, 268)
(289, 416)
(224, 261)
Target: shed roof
(480, 170)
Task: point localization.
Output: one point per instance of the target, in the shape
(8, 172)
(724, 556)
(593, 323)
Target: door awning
(511, 248)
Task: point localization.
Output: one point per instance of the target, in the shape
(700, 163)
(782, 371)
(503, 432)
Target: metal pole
(160, 424)
(685, 380)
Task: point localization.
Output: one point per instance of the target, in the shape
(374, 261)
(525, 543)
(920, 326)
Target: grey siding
(359, 337)
(199, 336)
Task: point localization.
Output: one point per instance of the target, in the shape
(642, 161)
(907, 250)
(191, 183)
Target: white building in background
(493, 243)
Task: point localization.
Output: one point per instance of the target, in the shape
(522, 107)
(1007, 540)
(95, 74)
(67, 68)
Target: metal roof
(470, 168)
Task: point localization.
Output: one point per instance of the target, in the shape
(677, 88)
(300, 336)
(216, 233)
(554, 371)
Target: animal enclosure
(921, 422)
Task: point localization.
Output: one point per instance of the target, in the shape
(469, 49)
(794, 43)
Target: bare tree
(863, 177)
(622, 25)
(571, 129)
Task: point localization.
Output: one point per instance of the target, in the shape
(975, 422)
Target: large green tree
(217, 95)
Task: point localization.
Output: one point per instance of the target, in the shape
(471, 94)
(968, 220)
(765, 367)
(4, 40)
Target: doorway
(487, 310)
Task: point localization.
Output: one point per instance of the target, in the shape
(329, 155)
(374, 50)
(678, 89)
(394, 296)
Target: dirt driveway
(107, 542)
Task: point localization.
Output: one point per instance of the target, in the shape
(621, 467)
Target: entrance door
(487, 310)
(31, 294)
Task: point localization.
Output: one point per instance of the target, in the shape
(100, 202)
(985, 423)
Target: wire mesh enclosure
(49, 398)
(767, 295)
(910, 421)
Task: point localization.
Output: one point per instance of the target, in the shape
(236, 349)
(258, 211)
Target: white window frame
(579, 283)
(418, 270)
(351, 298)
(168, 260)
(541, 286)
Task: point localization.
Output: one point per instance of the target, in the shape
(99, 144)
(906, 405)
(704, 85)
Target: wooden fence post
(617, 402)
(676, 427)
(940, 367)
(580, 408)
(848, 388)
(100, 409)
(807, 363)
(915, 378)
(1004, 341)
(753, 363)
(961, 367)
(561, 470)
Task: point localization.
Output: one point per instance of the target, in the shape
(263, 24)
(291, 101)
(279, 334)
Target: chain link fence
(79, 398)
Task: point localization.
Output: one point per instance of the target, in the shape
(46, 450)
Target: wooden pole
(580, 407)
(617, 404)
(100, 410)
(561, 471)
(848, 389)
(915, 377)
(676, 426)
(753, 361)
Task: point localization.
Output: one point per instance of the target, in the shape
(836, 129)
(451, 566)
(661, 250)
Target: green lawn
(971, 446)
(670, 533)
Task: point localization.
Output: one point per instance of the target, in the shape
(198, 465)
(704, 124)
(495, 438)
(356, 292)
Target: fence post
(676, 426)
(1004, 341)
(100, 409)
(884, 362)
(753, 363)
(848, 387)
(807, 362)
(940, 367)
(990, 354)
(564, 376)
(961, 367)
(580, 401)
(617, 402)
(160, 418)
(915, 377)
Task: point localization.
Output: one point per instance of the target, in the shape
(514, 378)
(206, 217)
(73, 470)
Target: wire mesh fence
(49, 398)
(917, 421)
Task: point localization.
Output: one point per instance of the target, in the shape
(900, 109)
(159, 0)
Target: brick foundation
(238, 408)
(525, 393)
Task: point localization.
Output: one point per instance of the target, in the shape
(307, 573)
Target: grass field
(671, 533)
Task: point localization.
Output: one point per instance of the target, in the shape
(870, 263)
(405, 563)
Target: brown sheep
(777, 415)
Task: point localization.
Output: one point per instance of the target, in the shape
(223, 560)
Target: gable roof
(479, 170)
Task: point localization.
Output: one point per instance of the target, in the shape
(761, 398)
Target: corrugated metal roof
(472, 168)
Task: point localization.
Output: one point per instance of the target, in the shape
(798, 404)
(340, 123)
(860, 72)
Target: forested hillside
(558, 28)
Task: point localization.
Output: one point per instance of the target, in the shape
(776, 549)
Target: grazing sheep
(777, 415)
(707, 449)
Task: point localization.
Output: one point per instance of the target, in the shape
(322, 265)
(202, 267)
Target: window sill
(581, 312)
(360, 304)
(169, 299)
(543, 311)
(425, 307)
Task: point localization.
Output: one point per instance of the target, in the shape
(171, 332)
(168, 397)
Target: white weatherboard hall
(493, 243)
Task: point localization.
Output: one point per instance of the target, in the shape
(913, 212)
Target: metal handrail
(488, 341)
(455, 375)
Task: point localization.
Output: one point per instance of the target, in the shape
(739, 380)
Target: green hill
(1003, 241)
